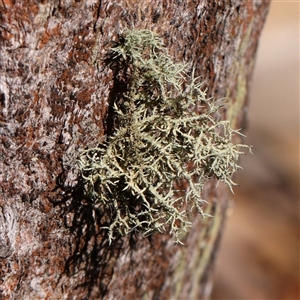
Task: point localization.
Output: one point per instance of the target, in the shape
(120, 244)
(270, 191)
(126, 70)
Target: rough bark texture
(54, 95)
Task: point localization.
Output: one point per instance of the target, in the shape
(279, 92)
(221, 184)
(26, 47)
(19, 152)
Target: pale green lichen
(166, 143)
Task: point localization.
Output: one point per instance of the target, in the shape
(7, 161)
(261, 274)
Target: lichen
(166, 141)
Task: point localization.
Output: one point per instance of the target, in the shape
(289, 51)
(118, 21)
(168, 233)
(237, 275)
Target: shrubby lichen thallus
(164, 122)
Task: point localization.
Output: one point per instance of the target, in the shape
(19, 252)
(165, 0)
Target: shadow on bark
(92, 257)
(91, 254)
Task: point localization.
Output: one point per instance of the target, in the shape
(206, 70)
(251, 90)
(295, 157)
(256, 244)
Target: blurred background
(259, 255)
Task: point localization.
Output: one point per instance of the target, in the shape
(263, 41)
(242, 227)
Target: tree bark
(54, 95)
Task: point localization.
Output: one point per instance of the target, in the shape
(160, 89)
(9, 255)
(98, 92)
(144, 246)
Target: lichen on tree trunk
(55, 92)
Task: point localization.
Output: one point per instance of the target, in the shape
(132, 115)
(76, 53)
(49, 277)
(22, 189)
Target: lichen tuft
(165, 132)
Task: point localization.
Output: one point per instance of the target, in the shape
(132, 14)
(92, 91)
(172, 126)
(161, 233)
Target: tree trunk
(54, 96)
